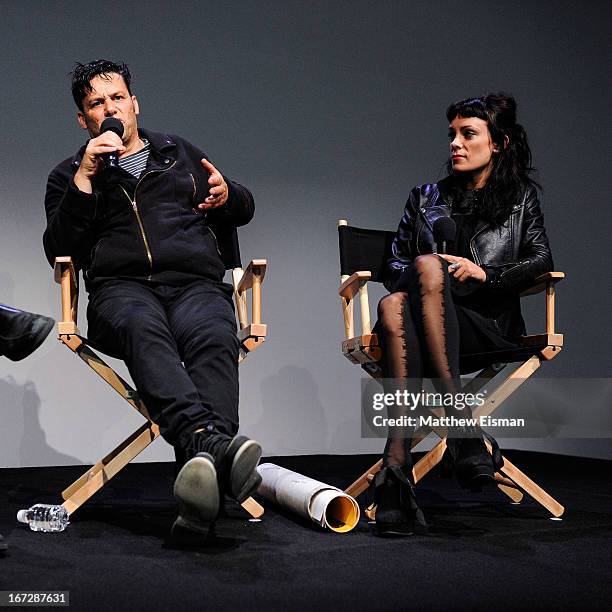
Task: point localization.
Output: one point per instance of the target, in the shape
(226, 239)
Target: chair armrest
(255, 269)
(65, 274)
(356, 283)
(251, 334)
(349, 288)
(362, 349)
(542, 281)
(546, 282)
(61, 264)
(243, 280)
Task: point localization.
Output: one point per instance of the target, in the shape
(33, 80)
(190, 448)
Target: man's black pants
(181, 349)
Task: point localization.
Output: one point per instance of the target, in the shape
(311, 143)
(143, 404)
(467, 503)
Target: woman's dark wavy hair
(511, 171)
(83, 74)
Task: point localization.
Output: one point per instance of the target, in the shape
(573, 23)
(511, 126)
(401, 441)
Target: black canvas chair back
(229, 248)
(364, 249)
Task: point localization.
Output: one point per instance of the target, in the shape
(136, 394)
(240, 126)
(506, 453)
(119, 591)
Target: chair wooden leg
(511, 489)
(508, 387)
(363, 482)
(423, 467)
(483, 378)
(427, 463)
(97, 476)
(529, 486)
(510, 480)
(103, 462)
(253, 508)
(434, 456)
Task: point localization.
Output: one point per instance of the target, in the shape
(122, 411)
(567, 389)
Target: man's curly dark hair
(83, 74)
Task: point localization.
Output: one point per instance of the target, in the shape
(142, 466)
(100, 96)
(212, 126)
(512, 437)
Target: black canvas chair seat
(477, 361)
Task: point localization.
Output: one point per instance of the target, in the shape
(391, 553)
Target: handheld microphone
(444, 231)
(111, 124)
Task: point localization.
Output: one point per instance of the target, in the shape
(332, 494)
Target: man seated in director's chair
(148, 230)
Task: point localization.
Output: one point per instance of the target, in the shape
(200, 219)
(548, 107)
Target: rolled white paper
(325, 505)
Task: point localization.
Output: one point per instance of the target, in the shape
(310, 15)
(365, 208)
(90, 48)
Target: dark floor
(480, 553)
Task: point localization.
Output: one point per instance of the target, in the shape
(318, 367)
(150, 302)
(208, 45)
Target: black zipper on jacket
(194, 187)
(138, 217)
(215, 239)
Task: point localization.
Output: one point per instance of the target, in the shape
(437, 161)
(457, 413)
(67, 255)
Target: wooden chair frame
(365, 350)
(251, 335)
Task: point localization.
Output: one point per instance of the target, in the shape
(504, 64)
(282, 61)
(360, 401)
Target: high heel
(473, 465)
(397, 513)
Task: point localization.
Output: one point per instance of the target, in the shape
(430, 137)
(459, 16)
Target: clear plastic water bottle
(44, 517)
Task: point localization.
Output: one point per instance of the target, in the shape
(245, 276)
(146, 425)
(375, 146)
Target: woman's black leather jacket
(512, 255)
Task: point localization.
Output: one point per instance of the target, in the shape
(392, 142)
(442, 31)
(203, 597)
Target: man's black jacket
(146, 228)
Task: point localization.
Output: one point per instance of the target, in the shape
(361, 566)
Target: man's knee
(218, 335)
(224, 335)
(135, 320)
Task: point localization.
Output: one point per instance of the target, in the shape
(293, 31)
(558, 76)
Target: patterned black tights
(420, 336)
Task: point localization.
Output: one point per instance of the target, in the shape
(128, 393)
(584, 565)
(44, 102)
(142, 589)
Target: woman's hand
(463, 269)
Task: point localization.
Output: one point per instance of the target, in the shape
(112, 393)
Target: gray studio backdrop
(325, 110)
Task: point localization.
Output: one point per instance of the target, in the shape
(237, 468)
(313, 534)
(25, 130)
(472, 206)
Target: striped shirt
(136, 163)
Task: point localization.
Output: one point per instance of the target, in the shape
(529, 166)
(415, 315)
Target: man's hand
(218, 188)
(463, 269)
(107, 142)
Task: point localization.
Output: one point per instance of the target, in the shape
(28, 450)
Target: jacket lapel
(433, 206)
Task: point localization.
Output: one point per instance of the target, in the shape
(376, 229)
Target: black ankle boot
(197, 495)
(21, 333)
(397, 513)
(467, 456)
(235, 460)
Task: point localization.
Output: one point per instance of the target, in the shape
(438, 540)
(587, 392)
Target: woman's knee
(430, 272)
(391, 310)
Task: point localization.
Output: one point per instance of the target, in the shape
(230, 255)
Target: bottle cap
(22, 516)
